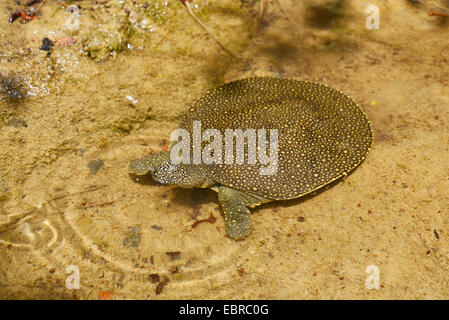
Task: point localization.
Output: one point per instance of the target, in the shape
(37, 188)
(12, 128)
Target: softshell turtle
(322, 135)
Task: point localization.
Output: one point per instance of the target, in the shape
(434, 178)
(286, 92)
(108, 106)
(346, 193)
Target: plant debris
(196, 212)
(211, 219)
(175, 255)
(154, 278)
(161, 285)
(155, 227)
(66, 41)
(174, 269)
(440, 14)
(436, 234)
(105, 295)
(28, 14)
(186, 3)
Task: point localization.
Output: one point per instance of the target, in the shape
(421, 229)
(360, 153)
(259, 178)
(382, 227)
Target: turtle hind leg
(237, 216)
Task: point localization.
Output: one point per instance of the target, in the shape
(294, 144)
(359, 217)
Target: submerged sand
(72, 121)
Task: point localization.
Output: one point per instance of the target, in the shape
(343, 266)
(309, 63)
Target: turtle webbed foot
(237, 220)
(237, 216)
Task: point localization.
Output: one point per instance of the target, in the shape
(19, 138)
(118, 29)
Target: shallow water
(117, 93)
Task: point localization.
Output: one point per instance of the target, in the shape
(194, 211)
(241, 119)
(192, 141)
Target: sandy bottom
(72, 121)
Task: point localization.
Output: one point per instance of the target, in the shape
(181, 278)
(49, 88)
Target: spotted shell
(322, 133)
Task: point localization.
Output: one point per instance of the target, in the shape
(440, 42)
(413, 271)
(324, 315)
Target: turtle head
(164, 171)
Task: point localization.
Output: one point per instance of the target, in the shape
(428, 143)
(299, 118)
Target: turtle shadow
(197, 197)
(279, 49)
(183, 197)
(296, 201)
(193, 197)
(275, 204)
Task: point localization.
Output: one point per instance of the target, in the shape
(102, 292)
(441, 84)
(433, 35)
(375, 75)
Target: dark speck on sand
(95, 165)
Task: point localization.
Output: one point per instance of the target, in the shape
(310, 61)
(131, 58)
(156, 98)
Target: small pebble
(95, 165)
(46, 44)
(16, 122)
(133, 101)
(154, 278)
(132, 239)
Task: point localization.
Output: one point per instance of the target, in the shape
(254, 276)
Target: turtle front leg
(237, 216)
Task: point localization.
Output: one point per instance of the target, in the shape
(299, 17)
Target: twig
(186, 3)
(282, 10)
(440, 14)
(263, 8)
(211, 219)
(91, 188)
(95, 205)
(163, 38)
